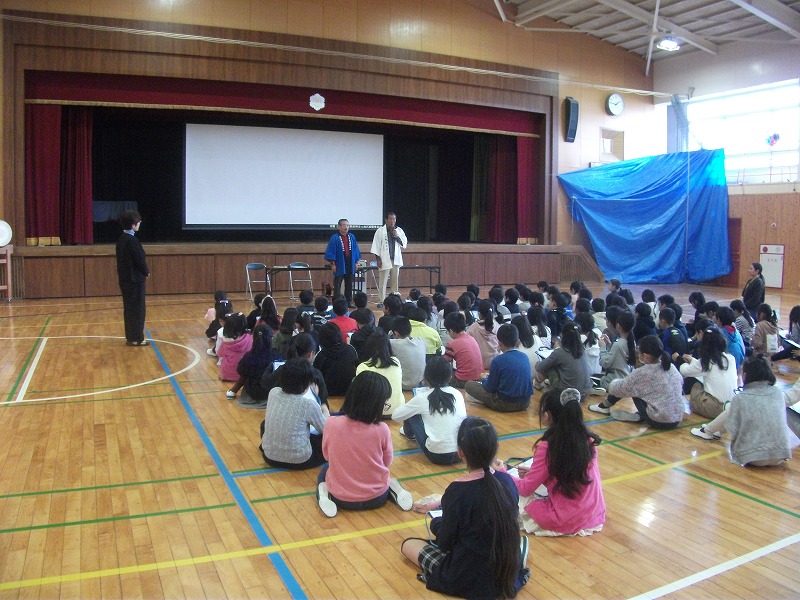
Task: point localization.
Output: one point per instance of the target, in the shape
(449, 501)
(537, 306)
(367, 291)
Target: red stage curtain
(130, 90)
(42, 158)
(76, 175)
(527, 196)
(502, 191)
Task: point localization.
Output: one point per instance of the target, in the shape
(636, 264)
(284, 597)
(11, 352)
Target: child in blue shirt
(509, 387)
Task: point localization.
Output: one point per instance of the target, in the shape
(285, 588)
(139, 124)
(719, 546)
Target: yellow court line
(666, 467)
(199, 560)
(57, 579)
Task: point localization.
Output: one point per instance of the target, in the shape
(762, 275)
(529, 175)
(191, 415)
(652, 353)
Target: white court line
(721, 568)
(116, 389)
(24, 387)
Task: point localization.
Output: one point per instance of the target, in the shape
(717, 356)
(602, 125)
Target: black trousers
(133, 310)
(348, 285)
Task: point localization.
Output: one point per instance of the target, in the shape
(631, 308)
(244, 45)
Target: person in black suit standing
(132, 271)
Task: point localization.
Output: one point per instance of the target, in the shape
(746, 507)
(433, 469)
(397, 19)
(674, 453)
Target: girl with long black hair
(433, 415)
(474, 557)
(565, 462)
(718, 370)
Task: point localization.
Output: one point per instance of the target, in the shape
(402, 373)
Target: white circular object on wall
(5, 233)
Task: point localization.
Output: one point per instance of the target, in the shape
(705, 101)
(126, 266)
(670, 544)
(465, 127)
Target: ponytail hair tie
(570, 394)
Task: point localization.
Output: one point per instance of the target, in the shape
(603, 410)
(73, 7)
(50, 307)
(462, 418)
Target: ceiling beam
(534, 9)
(773, 12)
(644, 16)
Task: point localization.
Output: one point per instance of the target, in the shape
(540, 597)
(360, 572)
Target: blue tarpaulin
(659, 219)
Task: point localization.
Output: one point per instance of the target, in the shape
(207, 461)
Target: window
(745, 124)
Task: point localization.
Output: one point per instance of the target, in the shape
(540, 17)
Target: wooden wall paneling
(230, 274)
(574, 267)
(758, 212)
(511, 268)
(419, 278)
(18, 276)
(100, 273)
(204, 268)
(463, 268)
(54, 278)
(181, 274)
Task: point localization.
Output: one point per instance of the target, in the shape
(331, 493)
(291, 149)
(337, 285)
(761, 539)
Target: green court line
(436, 474)
(739, 493)
(616, 444)
(712, 483)
(653, 432)
(313, 493)
(427, 475)
(285, 497)
(119, 518)
(27, 362)
(107, 486)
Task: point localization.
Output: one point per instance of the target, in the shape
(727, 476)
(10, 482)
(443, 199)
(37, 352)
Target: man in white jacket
(387, 246)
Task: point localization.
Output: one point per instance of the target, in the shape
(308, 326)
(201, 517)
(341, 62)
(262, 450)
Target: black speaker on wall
(570, 118)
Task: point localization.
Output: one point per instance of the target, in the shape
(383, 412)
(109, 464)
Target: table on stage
(361, 276)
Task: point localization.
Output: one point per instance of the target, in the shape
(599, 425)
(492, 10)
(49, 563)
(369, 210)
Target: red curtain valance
(96, 88)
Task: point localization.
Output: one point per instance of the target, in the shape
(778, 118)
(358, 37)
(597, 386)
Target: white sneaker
(703, 434)
(401, 496)
(230, 394)
(598, 391)
(408, 436)
(326, 505)
(211, 352)
(599, 408)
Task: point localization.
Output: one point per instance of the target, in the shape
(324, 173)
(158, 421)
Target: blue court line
(292, 585)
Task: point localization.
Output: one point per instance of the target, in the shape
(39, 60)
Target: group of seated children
(669, 365)
(436, 349)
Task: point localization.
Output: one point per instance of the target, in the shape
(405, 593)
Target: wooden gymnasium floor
(125, 472)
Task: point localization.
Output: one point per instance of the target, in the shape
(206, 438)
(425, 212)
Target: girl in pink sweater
(565, 462)
(358, 447)
(233, 345)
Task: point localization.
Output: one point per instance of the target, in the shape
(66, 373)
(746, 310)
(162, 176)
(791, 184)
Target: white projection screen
(263, 177)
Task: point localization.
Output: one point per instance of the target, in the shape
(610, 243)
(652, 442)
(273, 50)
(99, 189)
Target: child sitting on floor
(433, 415)
(380, 360)
(252, 318)
(222, 306)
(234, 344)
(474, 557)
(462, 350)
(756, 419)
(765, 337)
(565, 462)
(358, 446)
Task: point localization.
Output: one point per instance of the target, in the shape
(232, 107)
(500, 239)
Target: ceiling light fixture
(668, 43)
